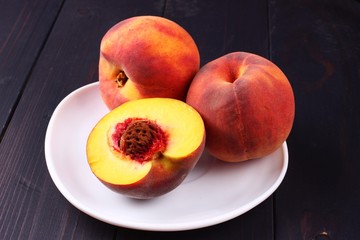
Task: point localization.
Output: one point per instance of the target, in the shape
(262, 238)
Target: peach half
(146, 56)
(146, 147)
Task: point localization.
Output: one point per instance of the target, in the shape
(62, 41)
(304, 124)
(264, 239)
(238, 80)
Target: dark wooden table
(50, 48)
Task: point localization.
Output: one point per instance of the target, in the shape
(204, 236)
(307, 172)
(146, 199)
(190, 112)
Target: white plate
(213, 192)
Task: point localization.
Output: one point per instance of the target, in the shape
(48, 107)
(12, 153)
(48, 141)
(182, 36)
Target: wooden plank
(25, 26)
(31, 207)
(221, 27)
(317, 44)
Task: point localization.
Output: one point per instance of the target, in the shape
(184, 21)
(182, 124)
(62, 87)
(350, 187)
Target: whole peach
(146, 56)
(247, 105)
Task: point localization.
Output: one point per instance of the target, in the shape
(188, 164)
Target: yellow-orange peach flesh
(247, 104)
(145, 148)
(146, 56)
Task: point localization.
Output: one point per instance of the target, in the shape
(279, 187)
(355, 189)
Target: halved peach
(145, 148)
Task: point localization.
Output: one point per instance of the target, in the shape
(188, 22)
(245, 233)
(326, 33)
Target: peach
(247, 105)
(145, 148)
(146, 56)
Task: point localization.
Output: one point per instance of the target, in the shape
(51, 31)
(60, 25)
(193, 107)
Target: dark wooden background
(50, 48)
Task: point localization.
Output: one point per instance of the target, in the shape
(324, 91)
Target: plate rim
(147, 226)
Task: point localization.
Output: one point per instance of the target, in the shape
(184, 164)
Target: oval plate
(213, 192)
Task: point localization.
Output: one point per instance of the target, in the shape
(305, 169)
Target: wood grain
(317, 44)
(25, 26)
